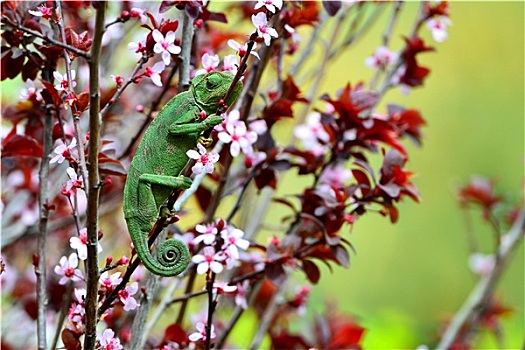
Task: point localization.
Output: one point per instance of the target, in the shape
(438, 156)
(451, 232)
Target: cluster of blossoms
(221, 247)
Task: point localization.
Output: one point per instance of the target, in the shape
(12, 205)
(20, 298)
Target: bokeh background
(409, 277)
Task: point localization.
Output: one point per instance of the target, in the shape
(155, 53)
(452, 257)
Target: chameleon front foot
(205, 141)
(167, 213)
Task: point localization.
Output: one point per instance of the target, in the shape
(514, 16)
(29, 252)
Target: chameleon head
(210, 88)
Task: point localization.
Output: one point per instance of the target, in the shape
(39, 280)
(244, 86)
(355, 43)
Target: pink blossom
(203, 160)
(271, 5)
(208, 233)
(154, 72)
(43, 11)
(108, 282)
(239, 137)
(107, 341)
(221, 287)
(313, 135)
(335, 175)
(63, 84)
(231, 118)
(201, 333)
(381, 58)
(438, 27)
(67, 268)
(209, 62)
(137, 47)
(73, 183)
(30, 92)
(240, 296)
(126, 296)
(63, 151)
(254, 158)
(300, 299)
(165, 45)
(208, 260)
(242, 49)
(80, 244)
(138, 13)
(263, 30)
(231, 64)
(232, 240)
(482, 264)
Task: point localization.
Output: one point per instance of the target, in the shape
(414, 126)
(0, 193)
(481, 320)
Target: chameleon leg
(191, 128)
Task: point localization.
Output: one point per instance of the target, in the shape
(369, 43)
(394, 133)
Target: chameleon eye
(212, 82)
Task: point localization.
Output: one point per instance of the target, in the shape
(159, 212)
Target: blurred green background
(408, 277)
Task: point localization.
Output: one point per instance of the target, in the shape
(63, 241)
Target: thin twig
(471, 310)
(76, 51)
(123, 87)
(94, 182)
(386, 39)
(74, 114)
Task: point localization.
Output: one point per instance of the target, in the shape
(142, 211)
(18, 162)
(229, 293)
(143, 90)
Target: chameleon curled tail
(172, 255)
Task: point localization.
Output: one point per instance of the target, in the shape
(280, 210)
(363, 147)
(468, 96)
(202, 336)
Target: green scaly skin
(161, 157)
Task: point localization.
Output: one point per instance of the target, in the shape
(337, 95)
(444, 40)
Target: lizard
(156, 168)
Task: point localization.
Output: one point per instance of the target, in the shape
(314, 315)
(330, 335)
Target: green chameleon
(161, 157)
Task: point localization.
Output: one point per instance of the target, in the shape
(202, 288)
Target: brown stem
(40, 269)
(185, 55)
(211, 309)
(94, 182)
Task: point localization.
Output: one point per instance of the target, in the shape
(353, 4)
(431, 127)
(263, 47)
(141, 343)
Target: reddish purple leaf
(312, 271)
(21, 145)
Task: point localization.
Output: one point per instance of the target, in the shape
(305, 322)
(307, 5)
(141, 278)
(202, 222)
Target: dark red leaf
(110, 166)
(11, 67)
(21, 145)
(341, 255)
(301, 13)
(50, 94)
(290, 91)
(71, 340)
(166, 5)
(203, 197)
(175, 333)
(81, 102)
(331, 6)
(275, 273)
(312, 271)
(32, 24)
(266, 177)
(284, 340)
(32, 67)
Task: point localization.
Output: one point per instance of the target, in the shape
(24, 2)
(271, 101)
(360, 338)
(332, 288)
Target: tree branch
(469, 313)
(94, 182)
(40, 269)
